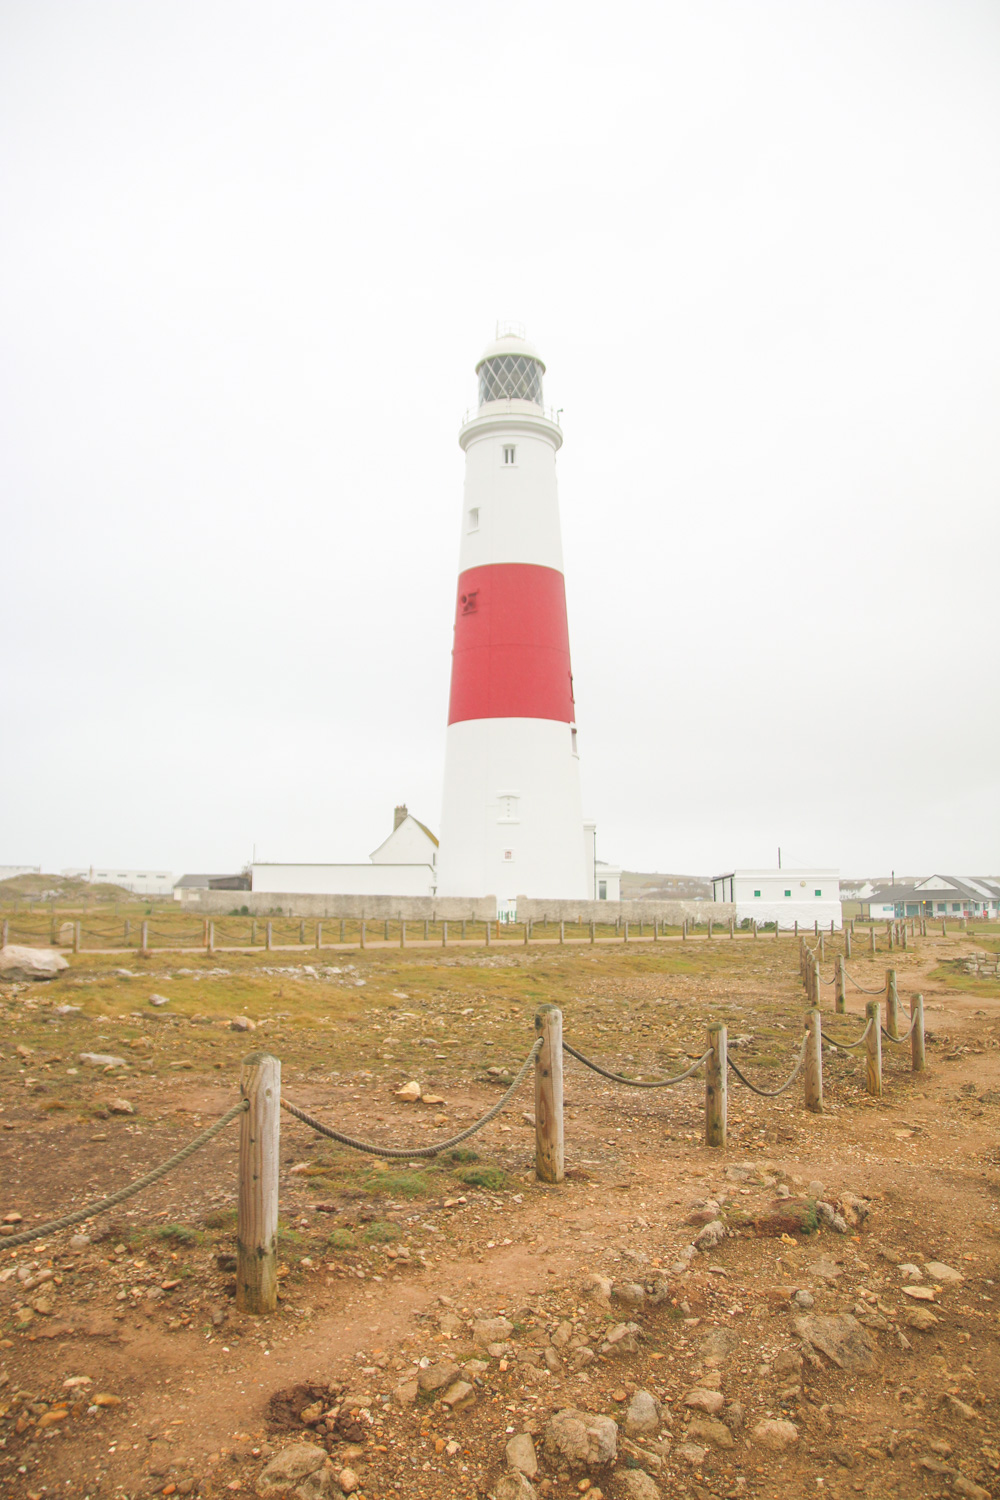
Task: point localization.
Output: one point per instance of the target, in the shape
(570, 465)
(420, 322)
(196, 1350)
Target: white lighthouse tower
(512, 822)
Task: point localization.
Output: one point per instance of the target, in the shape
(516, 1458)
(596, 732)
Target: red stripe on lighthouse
(511, 655)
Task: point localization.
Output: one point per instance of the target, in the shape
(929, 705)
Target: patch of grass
(220, 1218)
(462, 1155)
(381, 1232)
(483, 1177)
(176, 1234)
(341, 1239)
(400, 1184)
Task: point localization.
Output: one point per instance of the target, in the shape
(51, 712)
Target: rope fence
(103, 1205)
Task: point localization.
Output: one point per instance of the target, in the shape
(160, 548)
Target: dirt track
(194, 1378)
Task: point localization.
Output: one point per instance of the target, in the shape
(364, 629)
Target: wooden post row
(716, 1101)
(840, 1003)
(268, 935)
(917, 1061)
(814, 1063)
(873, 1049)
(257, 1212)
(550, 1163)
(144, 938)
(891, 1005)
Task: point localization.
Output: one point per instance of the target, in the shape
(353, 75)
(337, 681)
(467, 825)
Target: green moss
(381, 1232)
(484, 1177)
(341, 1239)
(399, 1184)
(176, 1234)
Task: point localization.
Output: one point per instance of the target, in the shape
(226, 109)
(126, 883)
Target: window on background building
(817, 893)
(956, 906)
(508, 855)
(509, 453)
(602, 890)
(788, 893)
(756, 893)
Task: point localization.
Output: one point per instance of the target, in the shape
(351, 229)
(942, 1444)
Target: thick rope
(404, 1153)
(851, 1046)
(857, 986)
(904, 1038)
(773, 1093)
(634, 1083)
(123, 1194)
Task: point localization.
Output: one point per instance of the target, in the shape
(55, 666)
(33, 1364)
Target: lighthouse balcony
(511, 414)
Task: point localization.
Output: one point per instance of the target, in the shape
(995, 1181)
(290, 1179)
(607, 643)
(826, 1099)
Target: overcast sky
(250, 256)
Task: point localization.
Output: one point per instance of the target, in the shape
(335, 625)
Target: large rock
(582, 1439)
(776, 1435)
(100, 1060)
(289, 1468)
(514, 1486)
(521, 1455)
(636, 1485)
(711, 1431)
(488, 1331)
(438, 1377)
(840, 1337)
(643, 1415)
(18, 963)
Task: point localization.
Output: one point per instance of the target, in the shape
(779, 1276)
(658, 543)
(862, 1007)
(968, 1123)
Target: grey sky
(248, 259)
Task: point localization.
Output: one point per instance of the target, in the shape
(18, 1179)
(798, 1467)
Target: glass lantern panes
(510, 375)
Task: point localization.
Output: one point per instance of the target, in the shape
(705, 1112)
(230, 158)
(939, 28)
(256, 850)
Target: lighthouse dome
(510, 368)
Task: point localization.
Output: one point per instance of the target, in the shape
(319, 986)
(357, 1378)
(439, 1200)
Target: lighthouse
(511, 820)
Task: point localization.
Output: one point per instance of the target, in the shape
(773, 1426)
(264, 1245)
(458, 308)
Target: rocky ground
(810, 1311)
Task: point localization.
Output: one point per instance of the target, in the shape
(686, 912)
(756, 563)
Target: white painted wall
(8, 872)
(783, 896)
(512, 785)
(516, 505)
(406, 845)
(610, 878)
(348, 880)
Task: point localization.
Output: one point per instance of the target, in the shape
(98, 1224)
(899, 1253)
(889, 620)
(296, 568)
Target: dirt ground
(125, 1368)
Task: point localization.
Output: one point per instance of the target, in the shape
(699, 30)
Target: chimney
(400, 814)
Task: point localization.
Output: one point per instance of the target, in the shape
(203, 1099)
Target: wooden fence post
(684, 930)
(444, 934)
(777, 928)
(891, 1005)
(716, 1068)
(562, 932)
(905, 941)
(710, 929)
(944, 927)
(822, 949)
(871, 936)
(816, 927)
(840, 1004)
(625, 933)
(831, 927)
(257, 1214)
(385, 933)
(732, 928)
(361, 934)
(402, 934)
(814, 1063)
(144, 938)
(656, 930)
(592, 931)
(847, 942)
(526, 934)
(796, 926)
(917, 1060)
(210, 945)
(463, 929)
(77, 932)
(427, 930)
(873, 1049)
(817, 989)
(319, 935)
(487, 932)
(204, 932)
(268, 936)
(253, 932)
(550, 1165)
(128, 930)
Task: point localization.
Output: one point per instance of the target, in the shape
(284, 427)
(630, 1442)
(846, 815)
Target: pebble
(938, 1271)
(410, 1092)
(711, 1431)
(121, 1107)
(242, 1023)
(348, 1481)
(700, 1399)
(159, 1000)
(643, 1415)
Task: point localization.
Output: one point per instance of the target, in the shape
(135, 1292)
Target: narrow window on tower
(473, 519)
(509, 453)
(572, 734)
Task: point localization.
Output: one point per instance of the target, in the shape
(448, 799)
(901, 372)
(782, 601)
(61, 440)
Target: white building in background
(512, 818)
(782, 896)
(147, 882)
(404, 864)
(8, 872)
